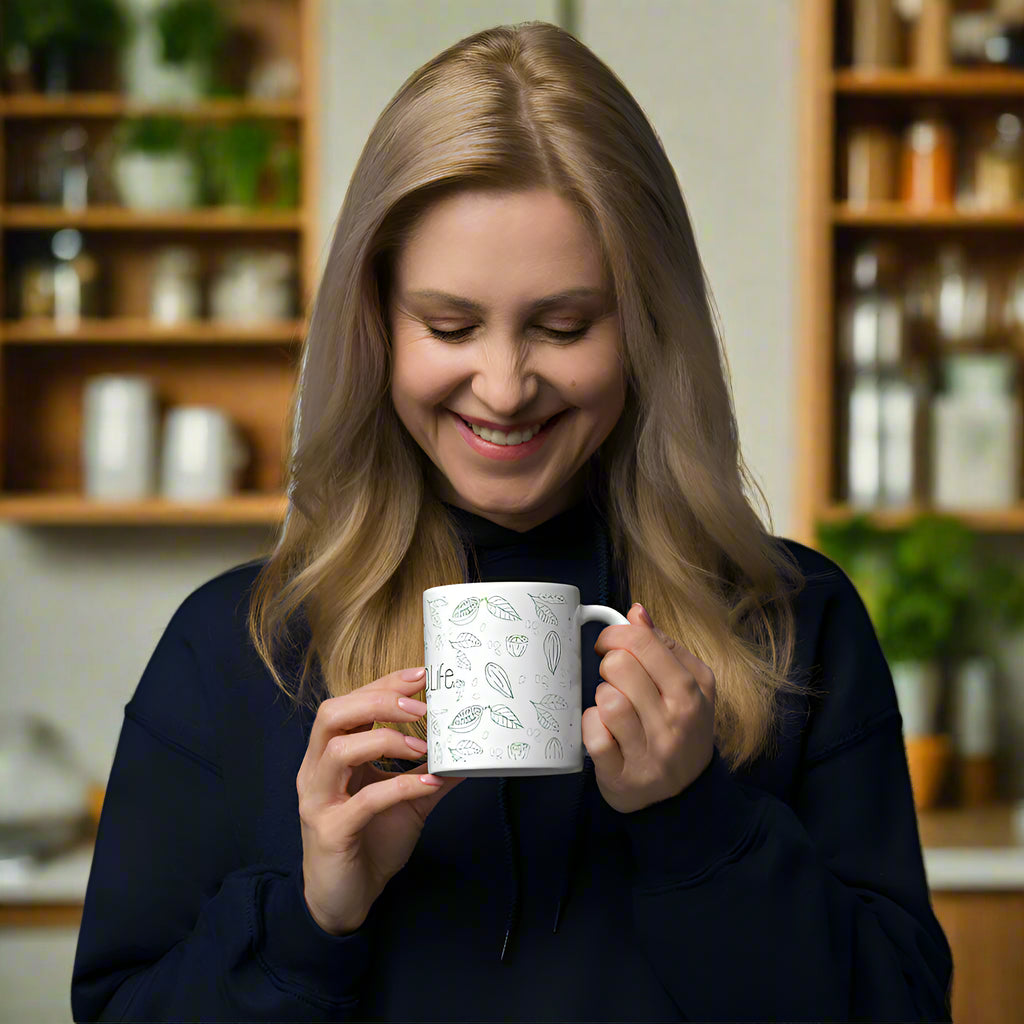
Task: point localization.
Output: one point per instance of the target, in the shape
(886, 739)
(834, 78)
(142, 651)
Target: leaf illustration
(553, 750)
(516, 644)
(465, 640)
(553, 702)
(546, 719)
(461, 660)
(465, 748)
(552, 650)
(502, 609)
(551, 598)
(544, 613)
(502, 714)
(518, 751)
(498, 679)
(435, 615)
(465, 611)
(466, 719)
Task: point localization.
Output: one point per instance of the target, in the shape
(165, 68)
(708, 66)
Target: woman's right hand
(360, 824)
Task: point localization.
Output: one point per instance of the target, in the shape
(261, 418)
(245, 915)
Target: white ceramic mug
(119, 436)
(203, 453)
(504, 683)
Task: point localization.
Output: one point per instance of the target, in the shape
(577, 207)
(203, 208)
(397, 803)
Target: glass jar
(963, 298)
(976, 433)
(999, 166)
(76, 280)
(883, 431)
(872, 323)
(174, 296)
(927, 178)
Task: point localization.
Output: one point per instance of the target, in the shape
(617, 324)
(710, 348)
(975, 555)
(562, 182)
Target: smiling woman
(512, 373)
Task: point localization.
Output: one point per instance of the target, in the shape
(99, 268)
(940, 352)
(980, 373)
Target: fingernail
(420, 746)
(430, 780)
(410, 675)
(413, 706)
(644, 615)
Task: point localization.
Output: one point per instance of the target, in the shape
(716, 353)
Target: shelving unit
(830, 98)
(248, 370)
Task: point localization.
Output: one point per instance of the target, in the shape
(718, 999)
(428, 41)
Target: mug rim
(503, 583)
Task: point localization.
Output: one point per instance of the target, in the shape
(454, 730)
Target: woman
(512, 373)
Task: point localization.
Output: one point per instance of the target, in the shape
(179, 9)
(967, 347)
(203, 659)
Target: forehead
(480, 240)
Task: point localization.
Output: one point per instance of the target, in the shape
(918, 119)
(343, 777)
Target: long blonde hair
(518, 107)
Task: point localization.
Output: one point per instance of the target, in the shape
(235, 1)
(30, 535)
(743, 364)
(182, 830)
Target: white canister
(974, 708)
(174, 295)
(203, 453)
(156, 181)
(119, 433)
(976, 434)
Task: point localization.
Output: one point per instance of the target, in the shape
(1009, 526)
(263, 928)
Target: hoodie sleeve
(174, 927)
(820, 910)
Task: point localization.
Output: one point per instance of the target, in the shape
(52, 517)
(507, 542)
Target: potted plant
(155, 168)
(173, 49)
(236, 157)
(934, 600)
(49, 38)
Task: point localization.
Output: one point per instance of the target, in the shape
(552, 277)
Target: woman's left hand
(651, 732)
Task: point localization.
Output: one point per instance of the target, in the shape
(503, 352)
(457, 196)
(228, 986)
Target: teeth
(499, 437)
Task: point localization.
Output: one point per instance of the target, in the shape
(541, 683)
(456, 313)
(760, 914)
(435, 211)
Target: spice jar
(875, 32)
(929, 35)
(75, 280)
(927, 178)
(999, 166)
(872, 156)
(872, 322)
(976, 433)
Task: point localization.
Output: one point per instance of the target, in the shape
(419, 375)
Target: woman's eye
(566, 335)
(456, 335)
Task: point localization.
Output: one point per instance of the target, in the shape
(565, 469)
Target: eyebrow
(540, 306)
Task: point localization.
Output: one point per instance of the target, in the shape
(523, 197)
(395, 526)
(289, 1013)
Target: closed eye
(463, 332)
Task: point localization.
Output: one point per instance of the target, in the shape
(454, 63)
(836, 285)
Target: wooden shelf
(1004, 520)
(897, 82)
(40, 915)
(139, 331)
(75, 510)
(900, 215)
(117, 218)
(113, 105)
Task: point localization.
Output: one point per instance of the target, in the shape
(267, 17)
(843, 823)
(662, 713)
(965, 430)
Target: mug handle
(601, 613)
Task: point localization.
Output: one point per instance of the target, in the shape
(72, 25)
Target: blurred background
(170, 171)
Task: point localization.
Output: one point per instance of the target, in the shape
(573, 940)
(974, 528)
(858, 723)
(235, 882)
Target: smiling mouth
(512, 437)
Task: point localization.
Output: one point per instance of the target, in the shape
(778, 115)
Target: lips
(504, 453)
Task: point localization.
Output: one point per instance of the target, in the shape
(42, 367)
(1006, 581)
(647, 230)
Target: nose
(503, 381)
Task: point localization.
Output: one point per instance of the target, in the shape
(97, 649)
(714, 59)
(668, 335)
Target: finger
(423, 791)
(601, 744)
(376, 702)
(620, 718)
(329, 780)
(622, 669)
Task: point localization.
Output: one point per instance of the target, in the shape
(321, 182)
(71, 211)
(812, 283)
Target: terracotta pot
(928, 758)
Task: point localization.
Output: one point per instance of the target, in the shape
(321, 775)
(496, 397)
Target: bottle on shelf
(927, 180)
(872, 322)
(929, 34)
(964, 299)
(976, 433)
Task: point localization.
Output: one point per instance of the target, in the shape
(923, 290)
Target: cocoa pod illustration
(552, 650)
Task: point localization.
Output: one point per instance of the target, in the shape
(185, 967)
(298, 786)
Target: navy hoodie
(791, 889)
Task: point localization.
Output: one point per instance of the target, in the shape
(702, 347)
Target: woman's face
(506, 351)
